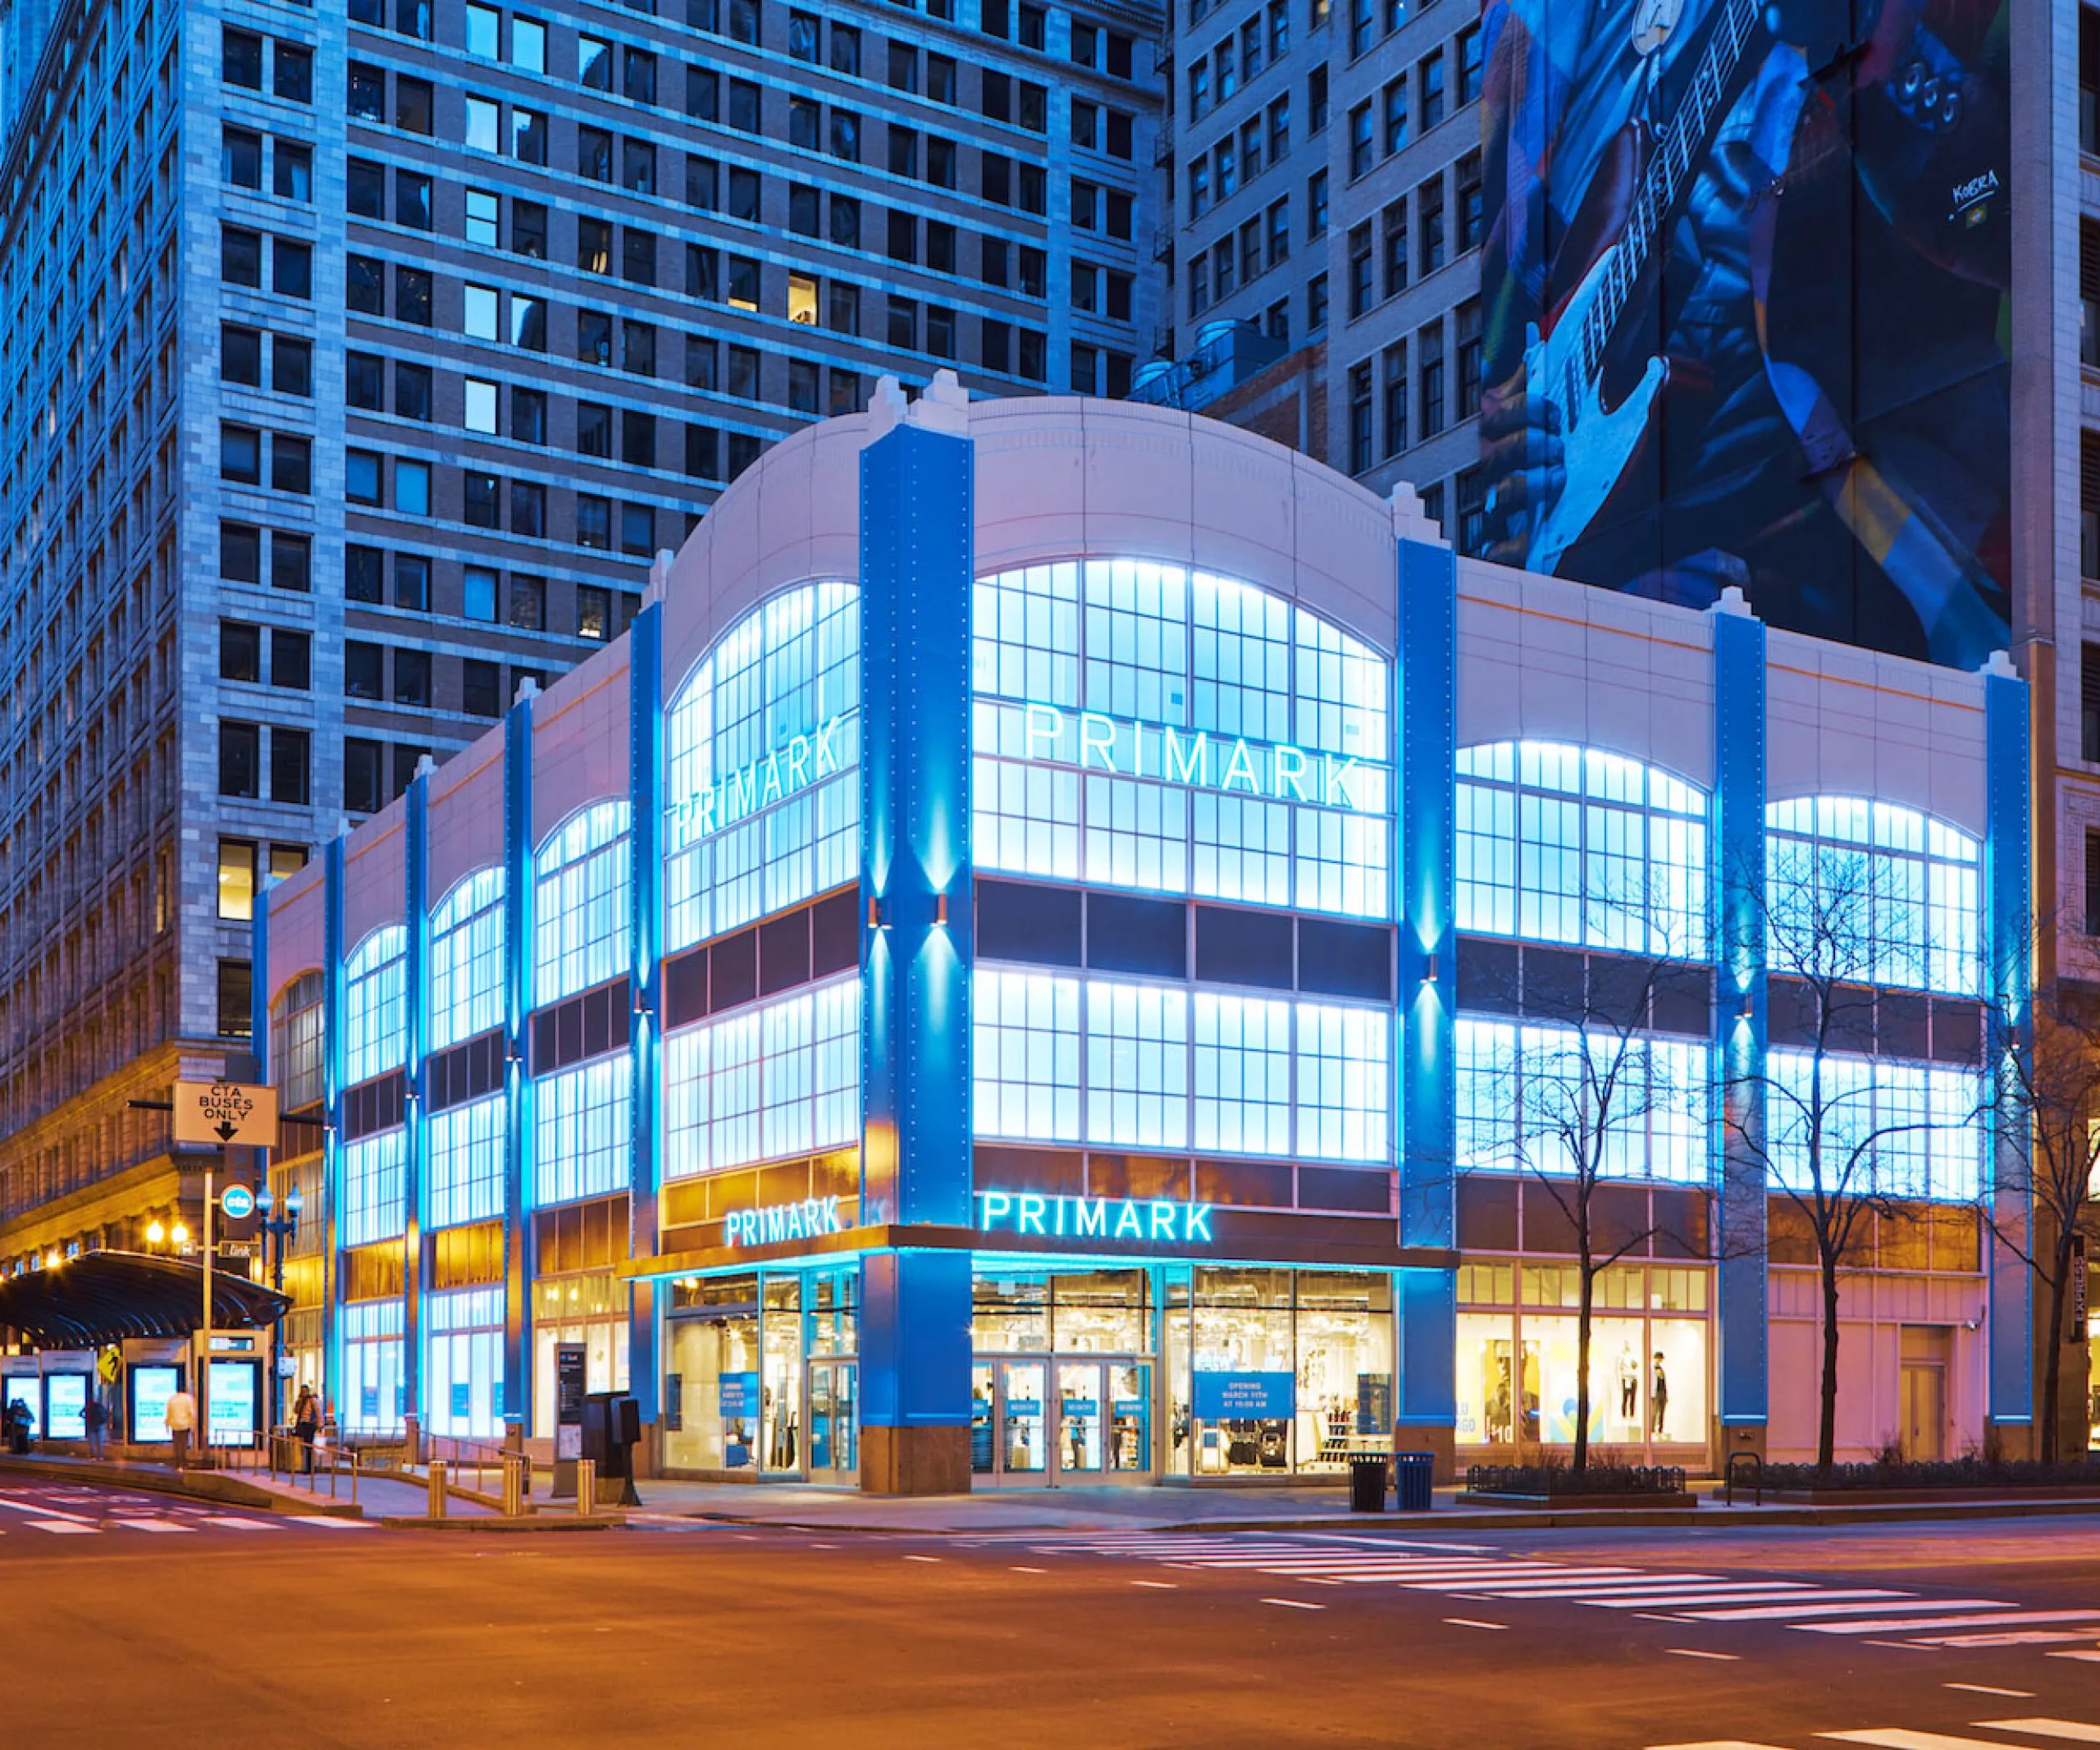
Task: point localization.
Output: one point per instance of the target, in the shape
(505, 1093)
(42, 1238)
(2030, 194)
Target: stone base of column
(914, 1460)
(1731, 1437)
(1439, 1438)
(2010, 1440)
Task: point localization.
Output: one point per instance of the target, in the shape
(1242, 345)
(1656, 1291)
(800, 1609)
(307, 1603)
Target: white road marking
(1927, 1625)
(1157, 1585)
(923, 1558)
(1028, 1570)
(1827, 1605)
(2024, 1695)
(2093, 1658)
(72, 1527)
(329, 1522)
(1695, 1652)
(1902, 1738)
(241, 1524)
(154, 1525)
(1723, 1743)
(1294, 1604)
(1468, 1622)
(2013, 1637)
(2071, 1730)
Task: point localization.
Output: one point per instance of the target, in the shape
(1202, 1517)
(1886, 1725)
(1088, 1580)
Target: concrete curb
(224, 1488)
(497, 1522)
(1511, 1518)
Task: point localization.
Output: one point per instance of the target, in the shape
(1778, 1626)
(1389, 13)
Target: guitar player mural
(1748, 270)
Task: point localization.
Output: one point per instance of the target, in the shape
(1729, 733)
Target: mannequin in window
(1658, 1397)
(1629, 1384)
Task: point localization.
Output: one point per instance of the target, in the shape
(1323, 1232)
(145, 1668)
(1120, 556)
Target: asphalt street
(228, 1626)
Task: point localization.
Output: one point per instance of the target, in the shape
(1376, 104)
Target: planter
(1972, 1491)
(1584, 1501)
(1551, 1486)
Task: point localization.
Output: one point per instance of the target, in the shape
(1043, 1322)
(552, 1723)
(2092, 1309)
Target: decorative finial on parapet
(886, 406)
(659, 576)
(528, 688)
(2000, 662)
(425, 765)
(1732, 600)
(942, 406)
(1410, 521)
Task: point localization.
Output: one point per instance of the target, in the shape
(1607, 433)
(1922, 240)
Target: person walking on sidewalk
(306, 1423)
(180, 1416)
(95, 1417)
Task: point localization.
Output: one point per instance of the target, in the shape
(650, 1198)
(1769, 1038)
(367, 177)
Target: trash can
(1413, 1473)
(612, 1425)
(1367, 1482)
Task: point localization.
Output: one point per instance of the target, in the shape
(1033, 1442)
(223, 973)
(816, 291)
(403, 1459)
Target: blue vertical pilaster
(415, 1141)
(645, 795)
(2006, 878)
(1426, 810)
(1738, 875)
(259, 987)
(917, 543)
(331, 1110)
(517, 1007)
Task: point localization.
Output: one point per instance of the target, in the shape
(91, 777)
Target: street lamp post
(279, 1229)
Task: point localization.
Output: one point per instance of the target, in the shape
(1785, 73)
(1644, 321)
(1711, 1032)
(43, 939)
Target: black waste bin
(612, 1425)
(1413, 1475)
(1367, 1482)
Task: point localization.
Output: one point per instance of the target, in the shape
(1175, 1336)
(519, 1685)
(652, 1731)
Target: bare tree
(1574, 1097)
(2049, 1094)
(1825, 1144)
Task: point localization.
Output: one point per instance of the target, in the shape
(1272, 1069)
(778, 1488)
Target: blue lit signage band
(1128, 748)
(809, 1219)
(1156, 1221)
(801, 763)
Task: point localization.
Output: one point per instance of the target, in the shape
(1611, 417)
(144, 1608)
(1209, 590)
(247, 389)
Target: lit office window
(1557, 843)
(585, 1131)
(1872, 894)
(1137, 1065)
(779, 1079)
(1887, 1128)
(1026, 1056)
(375, 1009)
(466, 960)
(464, 1173)
(464, 1378)
(1243, 1074)
(1141, 725)
(580, 904)
(762, 756)
(1524, 1098)
(1344, 1076)
(372, 1185)
(295, 1050)
(370, 1401)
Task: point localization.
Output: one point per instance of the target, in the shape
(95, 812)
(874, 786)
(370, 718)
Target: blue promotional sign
(738, 1396)
(237, 1203)
(462, 1407)
(1020, 1407)
(151, 1388)
(66, 1406)
(1082, 1406)
(1129, 1406)
(1244, 1397)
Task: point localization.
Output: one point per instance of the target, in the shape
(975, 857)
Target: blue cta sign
(809, 1219)
(1151, 1222)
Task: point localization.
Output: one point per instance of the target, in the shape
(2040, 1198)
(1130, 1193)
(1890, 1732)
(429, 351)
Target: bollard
(514, 1479)
(437, 1488)
(586, 1488)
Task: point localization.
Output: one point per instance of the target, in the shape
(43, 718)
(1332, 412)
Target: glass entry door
(1060, 1419)
(835, 1421)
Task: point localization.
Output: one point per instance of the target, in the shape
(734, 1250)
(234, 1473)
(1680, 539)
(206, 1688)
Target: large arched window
(466, 959)
(1557, 843)
(580, 904)
(1872, 893)
(1143, 726)
(374, 1006)
(295, 1044)
(762, 787)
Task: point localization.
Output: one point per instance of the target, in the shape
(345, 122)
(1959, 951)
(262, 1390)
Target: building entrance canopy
(103, 1297)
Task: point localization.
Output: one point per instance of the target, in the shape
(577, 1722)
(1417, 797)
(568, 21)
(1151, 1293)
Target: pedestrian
(306, 1423)
(95, 1418)
(180, 1416)
(17, 1424)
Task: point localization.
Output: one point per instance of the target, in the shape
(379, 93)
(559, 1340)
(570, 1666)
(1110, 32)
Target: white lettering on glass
(801, 763)
(1276, 771)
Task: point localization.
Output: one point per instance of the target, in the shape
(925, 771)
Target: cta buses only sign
(234, 1114)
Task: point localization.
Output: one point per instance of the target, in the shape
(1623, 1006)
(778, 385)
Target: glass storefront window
(781, 1351)
(713, 1377)
(1010, 1315)
(587, 1309)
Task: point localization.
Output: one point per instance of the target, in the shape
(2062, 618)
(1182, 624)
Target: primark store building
(1062, 946)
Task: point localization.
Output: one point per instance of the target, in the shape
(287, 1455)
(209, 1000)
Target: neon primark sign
(801, 763)
(1129, 748)
(811, 1219)
(1153, 1222)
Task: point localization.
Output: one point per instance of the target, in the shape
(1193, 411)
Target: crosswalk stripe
(66, 1527)
(154, 1525)
(1883, 1607)
(1665, 1600)
(241, 1524)
(326, 1522)
(1902, 1738)
(1928, 1625)
(2071, 1730)
(1725, 1743)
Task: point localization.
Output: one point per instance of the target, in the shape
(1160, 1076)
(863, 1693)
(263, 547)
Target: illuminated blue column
(518, 1115)
(1426, 807)
(331, 1110)
(258, 986)
(916, 509)
(415, 1141)
(1738, 875)
(645, 792)
(2006, 875)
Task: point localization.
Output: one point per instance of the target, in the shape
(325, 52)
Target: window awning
(103, 1297)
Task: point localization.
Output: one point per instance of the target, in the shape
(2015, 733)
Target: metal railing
(509, 1470)
(305, 1464)
(1754, 1463)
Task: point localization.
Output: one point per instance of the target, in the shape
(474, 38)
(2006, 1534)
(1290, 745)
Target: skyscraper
(361, 366)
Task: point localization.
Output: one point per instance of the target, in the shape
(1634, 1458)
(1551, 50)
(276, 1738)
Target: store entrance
(1070, 1419)
(834, 1401)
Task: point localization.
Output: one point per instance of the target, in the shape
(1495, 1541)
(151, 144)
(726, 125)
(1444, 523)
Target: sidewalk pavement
(376, 1496)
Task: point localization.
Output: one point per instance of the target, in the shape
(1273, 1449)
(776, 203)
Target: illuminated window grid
(1242, 848)
(465, 1339)
(1135, 632)
(1343, 861)
(1025, 635)
(791, 664)
(584, 1132)
(1025, 819)
(373, 1208)
(1137, 1065)
(1242, 1078)
(1344, 1072)
(1874, 891)
(580, 903)
(465, 1173)
(1241, 649)
(1136, 834)
(1340, 689)
(296, 1049)
(1026, 1059)
(1515, 1085)
(1901, 1130)
(370, 1401)
(374, 1006)
(1557, 843)
(466, 960)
